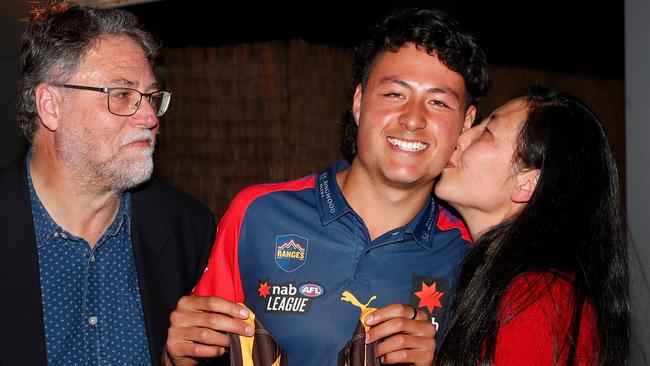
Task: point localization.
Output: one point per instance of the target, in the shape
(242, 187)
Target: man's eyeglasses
(127, 101)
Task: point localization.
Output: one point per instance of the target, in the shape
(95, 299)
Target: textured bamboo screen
(268, 112)
(250, 113)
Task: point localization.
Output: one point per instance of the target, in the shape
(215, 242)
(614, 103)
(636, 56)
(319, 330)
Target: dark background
(580, 37)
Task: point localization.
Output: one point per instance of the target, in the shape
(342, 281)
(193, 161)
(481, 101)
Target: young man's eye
(394, 95)
(439, 103)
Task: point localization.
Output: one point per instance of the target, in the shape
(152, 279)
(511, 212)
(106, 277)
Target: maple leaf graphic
(264, 289)
(429, 297)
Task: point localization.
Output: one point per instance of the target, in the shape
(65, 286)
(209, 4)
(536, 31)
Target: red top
(535, 316)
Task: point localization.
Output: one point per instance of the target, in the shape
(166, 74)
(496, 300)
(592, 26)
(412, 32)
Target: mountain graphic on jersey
(293, 248)
(356, 352)
(259, 350)
(290, 251)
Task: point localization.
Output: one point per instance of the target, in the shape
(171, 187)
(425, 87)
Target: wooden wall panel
(268, 112)
(250, 113)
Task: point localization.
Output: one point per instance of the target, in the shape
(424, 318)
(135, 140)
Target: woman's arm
(536, 323)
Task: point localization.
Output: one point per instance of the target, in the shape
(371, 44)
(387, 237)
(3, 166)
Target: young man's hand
(406, 335)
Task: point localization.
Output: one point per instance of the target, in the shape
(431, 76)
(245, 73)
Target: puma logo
(365, 310)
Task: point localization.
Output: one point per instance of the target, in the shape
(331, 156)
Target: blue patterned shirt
(92, 308)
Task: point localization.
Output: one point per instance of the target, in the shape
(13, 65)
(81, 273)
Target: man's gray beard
(112, 175)
(119, 176)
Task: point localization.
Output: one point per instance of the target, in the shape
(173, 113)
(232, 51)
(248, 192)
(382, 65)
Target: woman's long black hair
(571, 226)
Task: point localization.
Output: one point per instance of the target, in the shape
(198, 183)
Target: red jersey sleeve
(535, 323)
(221, 276)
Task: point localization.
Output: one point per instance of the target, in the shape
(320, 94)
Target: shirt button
(92, 258)
(92, 320)
(64, 236)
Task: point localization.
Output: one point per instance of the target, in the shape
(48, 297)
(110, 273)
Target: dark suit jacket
(172, 236)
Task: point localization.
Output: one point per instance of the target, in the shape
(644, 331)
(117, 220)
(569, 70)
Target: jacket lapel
(149, 236)
(21, 310)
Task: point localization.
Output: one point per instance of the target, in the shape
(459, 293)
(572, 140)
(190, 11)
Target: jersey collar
(332, 205)
(422, 227)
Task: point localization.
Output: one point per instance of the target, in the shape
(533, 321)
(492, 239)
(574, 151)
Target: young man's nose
(413, 117)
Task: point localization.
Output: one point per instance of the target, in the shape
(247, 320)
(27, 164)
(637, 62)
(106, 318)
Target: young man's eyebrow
(395, 80)
(434, 90)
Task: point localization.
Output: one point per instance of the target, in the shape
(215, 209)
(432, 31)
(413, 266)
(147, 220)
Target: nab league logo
(288, 298)
(290, 251)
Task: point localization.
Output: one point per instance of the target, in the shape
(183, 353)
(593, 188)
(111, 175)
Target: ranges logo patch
(289, 298)
(290, 251)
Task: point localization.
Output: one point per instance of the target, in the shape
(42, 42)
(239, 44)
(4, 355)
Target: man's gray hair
(55, 42)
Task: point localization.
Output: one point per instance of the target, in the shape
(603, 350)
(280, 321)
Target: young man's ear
(526, 182)
(470, 115)
(48, 105)
(356, 103)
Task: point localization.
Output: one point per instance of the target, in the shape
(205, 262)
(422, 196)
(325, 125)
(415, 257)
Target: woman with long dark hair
(546, 282)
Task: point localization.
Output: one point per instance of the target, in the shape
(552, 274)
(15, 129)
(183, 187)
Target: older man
(93, 254)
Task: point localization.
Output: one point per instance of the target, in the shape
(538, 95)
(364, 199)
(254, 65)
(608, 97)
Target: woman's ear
(526, 181)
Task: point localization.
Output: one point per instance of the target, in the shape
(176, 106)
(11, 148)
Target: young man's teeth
(407, 146)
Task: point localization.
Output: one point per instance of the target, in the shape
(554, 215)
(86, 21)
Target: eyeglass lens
(127, 101)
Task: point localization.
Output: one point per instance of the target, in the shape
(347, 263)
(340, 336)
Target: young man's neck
(82, 212)
(382, 207)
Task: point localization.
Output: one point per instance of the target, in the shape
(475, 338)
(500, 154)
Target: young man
(93, 255)
(312, 257)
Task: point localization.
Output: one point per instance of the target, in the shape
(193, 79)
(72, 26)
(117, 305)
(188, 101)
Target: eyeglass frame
(108, 91)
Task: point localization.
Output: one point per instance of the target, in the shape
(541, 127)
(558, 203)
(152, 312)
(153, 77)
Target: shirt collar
(122, 217)
(422, 227)
(331, 203)
(46, 227)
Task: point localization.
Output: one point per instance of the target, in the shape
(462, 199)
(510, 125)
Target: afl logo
(311, 290)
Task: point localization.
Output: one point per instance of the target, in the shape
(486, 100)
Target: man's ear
(48, 105)
(526, 182)
(356, 103)
(470, 115)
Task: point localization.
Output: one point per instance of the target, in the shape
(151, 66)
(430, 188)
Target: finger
(183, 350)
(204, 336)
(408, 356)
(212, 304)
(421, 328)
(404, 342)
(221, 322)
(389, 312)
